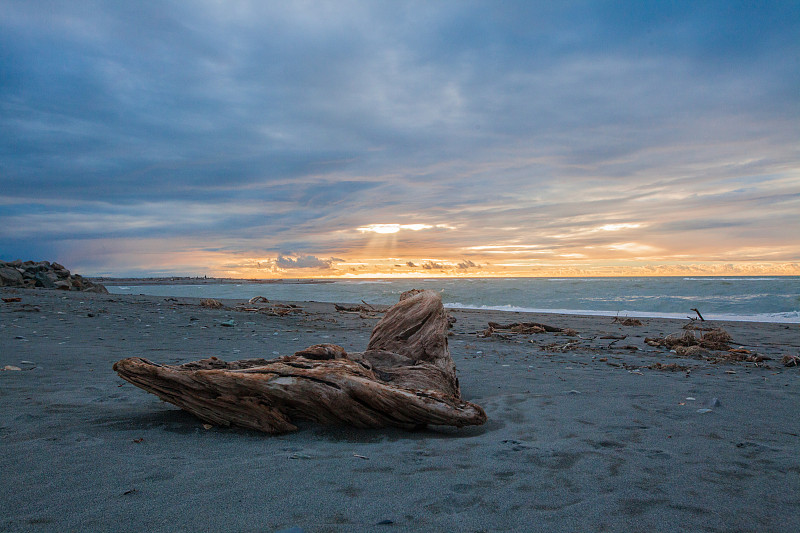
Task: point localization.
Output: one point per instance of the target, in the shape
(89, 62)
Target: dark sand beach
(584, 433)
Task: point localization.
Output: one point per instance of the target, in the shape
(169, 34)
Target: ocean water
(760, 299)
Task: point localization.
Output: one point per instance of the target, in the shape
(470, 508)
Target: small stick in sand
(698, 314)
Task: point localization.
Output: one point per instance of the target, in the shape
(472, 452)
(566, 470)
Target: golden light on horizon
(617, 227)
(516, 269)
(391, 228)
(390, 255)
(396, 228)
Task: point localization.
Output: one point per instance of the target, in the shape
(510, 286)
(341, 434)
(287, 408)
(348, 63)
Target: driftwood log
(405, 378)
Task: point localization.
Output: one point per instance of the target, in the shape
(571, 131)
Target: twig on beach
(698, 314)
(616, 339)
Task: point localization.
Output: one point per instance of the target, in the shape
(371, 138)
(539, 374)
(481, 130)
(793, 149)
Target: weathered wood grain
(405, 378)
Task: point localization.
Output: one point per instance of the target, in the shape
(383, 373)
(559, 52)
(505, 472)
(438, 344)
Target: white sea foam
(582, 279)
(735, 279)
(792, 317)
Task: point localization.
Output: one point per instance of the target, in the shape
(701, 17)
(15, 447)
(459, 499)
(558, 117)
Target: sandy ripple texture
(584, 433)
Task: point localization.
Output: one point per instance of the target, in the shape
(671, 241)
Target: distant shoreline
(196, 280)
(767, 301)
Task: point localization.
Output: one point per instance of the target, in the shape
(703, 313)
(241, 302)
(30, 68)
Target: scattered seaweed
(671, 367)
(275, 309)
(790, 360)
(211, 303)
(626, 321)
(740, 354)
(656, 342)
(715, 339)
(521, 327)
(281, 310)
(556, 347)
(691, 351)
(524, 328)
(363, 311)
(713, 345)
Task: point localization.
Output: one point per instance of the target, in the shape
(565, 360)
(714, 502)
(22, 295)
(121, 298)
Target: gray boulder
(44, 274)
(10, 277)
(96, 287)
(63, 285)
(43, 280)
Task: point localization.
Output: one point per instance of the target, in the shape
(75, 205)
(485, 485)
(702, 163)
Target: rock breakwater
(44, 274)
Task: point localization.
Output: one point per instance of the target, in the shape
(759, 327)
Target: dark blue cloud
(305, 261)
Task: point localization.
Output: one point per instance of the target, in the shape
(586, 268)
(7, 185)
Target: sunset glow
(392, 228)
(286, 140)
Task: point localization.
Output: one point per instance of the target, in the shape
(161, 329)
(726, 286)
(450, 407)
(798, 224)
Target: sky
(434, 138)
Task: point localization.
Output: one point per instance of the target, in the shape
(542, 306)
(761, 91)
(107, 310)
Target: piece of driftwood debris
(715, 339)
(211, 303)
(627, 321)
(275, 309)
(363, 311)
(525, 328)
(365, 308)
(522, 326)
(698, 314)
(405, 378)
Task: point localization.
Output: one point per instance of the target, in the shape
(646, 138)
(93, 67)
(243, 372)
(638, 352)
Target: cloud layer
(473, 136)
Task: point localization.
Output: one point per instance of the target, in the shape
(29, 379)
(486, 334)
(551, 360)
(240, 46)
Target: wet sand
(583, 433)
